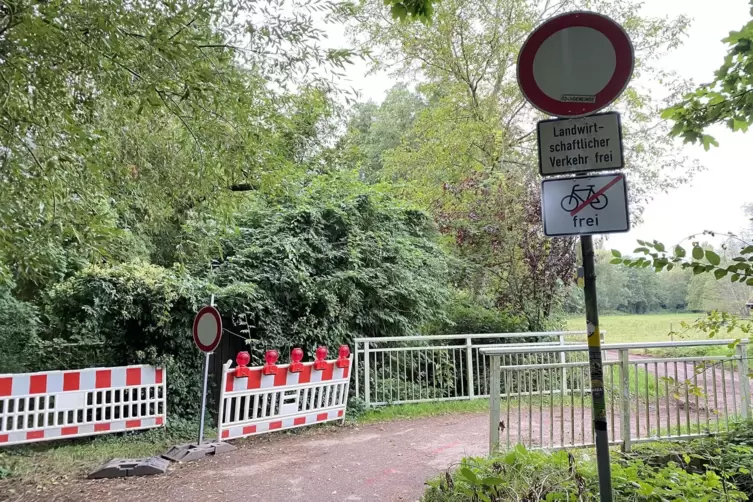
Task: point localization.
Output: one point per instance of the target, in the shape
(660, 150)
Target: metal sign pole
(204, 398)
(204, 389)
(597, 373)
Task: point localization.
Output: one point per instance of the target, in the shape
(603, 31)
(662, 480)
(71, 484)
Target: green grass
(418, 410)
(57, 461)
(642, 390)
(655, 328)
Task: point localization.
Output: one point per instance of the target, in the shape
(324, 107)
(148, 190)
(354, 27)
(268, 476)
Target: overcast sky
(713, 200)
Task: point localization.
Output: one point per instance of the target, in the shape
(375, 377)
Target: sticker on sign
(591, 143)
(583, 206)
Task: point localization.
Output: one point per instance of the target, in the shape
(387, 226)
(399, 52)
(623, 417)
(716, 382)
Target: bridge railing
(647, 398)
(413, 369)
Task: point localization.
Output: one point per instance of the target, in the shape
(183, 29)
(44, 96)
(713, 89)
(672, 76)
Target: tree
(704, 294)
(375, 130)
(705, 290)
(613, 291)
(727, 99)
(674, 286)
(118, 116)
(469, 155)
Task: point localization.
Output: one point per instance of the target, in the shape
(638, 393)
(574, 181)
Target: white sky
(713, 200)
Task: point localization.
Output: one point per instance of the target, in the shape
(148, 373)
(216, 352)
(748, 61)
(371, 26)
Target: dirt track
(389, 461)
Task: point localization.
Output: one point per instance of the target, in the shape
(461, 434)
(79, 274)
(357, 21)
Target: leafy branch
(656, 255)
(728, 99)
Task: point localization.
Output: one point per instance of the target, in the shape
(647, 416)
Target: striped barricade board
(259, 403)
(65, 404)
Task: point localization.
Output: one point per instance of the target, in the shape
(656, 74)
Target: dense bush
(135, 313)
(327, 267)
(19, 341)
(559, 476)
(319, 270)
(701, 470)
(469, 315)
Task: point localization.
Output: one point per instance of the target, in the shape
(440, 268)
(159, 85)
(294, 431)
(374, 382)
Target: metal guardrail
(647, 398)
(412, 369)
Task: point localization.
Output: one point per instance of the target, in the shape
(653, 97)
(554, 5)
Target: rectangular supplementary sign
(587, 205)
(592, 143)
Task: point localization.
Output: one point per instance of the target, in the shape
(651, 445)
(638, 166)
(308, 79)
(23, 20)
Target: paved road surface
(375, 462)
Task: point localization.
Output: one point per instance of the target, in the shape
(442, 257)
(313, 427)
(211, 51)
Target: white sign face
(578, 78)
(591, 143)
(582, 206)
(206, 329)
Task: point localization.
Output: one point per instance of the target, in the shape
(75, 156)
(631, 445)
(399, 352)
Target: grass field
(655, 328)
(645, 328)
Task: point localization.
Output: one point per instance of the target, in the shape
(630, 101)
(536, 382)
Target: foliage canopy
(727, 99)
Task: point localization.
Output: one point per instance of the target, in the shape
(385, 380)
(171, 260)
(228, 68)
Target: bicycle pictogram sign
(571, 201)
(595, 204)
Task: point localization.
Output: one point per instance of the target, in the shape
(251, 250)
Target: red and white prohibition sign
(207, 329)
(575, 64)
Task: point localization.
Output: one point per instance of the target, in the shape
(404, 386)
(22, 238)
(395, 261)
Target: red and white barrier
(65, 404)
(278, 397)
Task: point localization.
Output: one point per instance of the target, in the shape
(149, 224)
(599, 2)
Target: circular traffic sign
(207, 329)
(575, 64)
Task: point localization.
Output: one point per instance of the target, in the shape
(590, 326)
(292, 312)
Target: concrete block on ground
(189, 452)
(123, 467)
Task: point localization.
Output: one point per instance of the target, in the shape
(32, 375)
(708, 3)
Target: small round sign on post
(575, 64)
(207, 333)
(207, 329)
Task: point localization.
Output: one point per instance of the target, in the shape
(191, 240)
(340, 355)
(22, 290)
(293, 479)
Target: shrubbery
(319, 269)
(469, 315)
(324, 269)
(133, 313)
(702, 470)
(19, 340)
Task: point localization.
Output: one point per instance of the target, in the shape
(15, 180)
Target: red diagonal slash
(597, 194)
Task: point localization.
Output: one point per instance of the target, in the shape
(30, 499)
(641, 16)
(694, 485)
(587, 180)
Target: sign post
(207, 333)
(571, 67)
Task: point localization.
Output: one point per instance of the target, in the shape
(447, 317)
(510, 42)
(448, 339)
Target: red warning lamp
(320, 362)
(296, 356)
(242, 360)
(343, 360)
(270, 368)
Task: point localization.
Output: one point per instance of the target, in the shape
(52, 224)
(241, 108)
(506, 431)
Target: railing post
(625, 404)
(494, 404)
(221, 411)
(742, 368)
(366, 374)
(355, 364)
(563, 360)
(469, 366)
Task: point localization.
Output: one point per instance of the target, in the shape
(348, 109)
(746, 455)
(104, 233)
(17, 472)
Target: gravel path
(386, 462)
